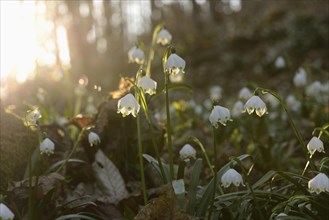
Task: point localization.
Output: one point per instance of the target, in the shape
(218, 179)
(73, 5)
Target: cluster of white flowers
(6, 213)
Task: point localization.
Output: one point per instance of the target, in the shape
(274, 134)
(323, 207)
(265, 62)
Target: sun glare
(27, 40)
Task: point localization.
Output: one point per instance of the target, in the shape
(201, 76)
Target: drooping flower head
(128, 105)
(293, 103)
(163, 37)
(187, 152)
(245, 93)
(300, 78)
(278, 217)
(175, 64)
(231, 176)
(33, 116)
(315, 144)
(255, 104)
(320, 183)
(93, 138)
(237, 109)
(279, 62)
(148, 85)
(178, 77)
(47, 147)
(216, 93)
(136, 55)
(6, 213)
(219, 114)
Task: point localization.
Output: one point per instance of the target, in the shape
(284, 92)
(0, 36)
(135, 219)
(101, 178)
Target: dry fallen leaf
(110, 184)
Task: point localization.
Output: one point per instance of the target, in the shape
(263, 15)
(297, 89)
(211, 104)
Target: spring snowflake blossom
(281, 215)
(255, 104)
(300, 78)
(216, 93)
(231, 176)
(47, 147)
(245, 93)
(280, 63)
(293, 103)
(175, 64)
(93, 138)
(315, 144)
(33, 116)
(128, 105)
(219, 114)
(148, 85)
(6, 213)
(187, 152)
(237, 109)
(163, 37)
(136, 55)
(320, 183)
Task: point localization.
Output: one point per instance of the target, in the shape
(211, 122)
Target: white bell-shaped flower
(216, 93)
(93, 138)
(6, 213)
(47, 147)
(33, 116)
(314, 89)
(245, 93)
(320, 183)
(300, 78)
(231, 176)
(293, 103)
(279, 62)
(148, 85)
(128, 105)
(163, 37)
(315, 144)
(175, 64)
(187, 152)
(237, 109)
(255, 104)
(136, 55)
(219, 114)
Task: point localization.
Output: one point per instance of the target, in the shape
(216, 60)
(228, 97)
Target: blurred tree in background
(225, 42)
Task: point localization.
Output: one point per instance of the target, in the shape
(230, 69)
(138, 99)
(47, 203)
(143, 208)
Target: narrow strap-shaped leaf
(193, 186)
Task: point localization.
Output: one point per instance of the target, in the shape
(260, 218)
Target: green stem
(293, 126)
(30, 212)
(157, 155)
(169, 141)
(215, 174)
(72, 151)
(140, 153)
(150, 58)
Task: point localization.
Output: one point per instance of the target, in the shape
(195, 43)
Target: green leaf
(264, 179)
(156, 166)
(57, 164)
(181, 169)
(195, 177)
(73, 216)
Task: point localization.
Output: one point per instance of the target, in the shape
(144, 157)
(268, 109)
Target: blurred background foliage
(227, 43)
